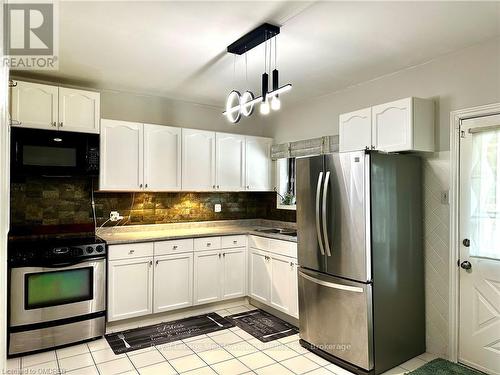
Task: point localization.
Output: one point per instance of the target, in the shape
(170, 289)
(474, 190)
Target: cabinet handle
(61, 124)
(291, 264)
(217, 186)
(224, 254)
(146, 185)
(248, 186)
(156, 262)
(54, 124)
(235, 242)
(213, 186)
(219, 255)
(140, 185)
(131, 251)
(209, 244)
(174, 247)
(150, 263)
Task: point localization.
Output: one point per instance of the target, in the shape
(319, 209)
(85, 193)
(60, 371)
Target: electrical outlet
(218, 207)
(115, 216)
(445, 197)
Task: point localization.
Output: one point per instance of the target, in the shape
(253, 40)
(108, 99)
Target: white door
(294, 289)
(260, 276)
(392, 126)
(258, 163)
(173, 282)
(479, 332)
(280, 283)
(162, 157)
(234, 273)
(198, 160)
(121, 155)
(34, 105)
(207, 276)
(79, 110)
(130, 288)
(355, 130)
(230, 162)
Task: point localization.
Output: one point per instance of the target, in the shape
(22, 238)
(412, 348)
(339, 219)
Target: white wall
(462, 79)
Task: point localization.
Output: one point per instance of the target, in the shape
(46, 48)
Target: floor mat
(443, 367)
(162, 333)
(263, 326)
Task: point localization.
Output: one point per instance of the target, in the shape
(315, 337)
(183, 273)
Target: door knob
(466, 242)
(466, 265)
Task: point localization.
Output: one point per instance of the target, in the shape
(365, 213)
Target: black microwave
(38, 152)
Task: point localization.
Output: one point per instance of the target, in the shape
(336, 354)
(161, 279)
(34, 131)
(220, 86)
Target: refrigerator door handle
(318, 226)
(324, 212)
(332, 285)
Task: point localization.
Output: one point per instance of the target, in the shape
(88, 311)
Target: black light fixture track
(253, 38)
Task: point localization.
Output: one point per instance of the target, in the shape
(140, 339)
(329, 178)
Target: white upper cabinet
(34, 105)
(198, 160)
(230, 162)
(121, 155)
(403, 125)
(162, 157)
(355, 130)
(79, 110)
(258, 163)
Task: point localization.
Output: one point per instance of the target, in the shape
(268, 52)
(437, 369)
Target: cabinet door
(198, 160)
(260, 278)
(34, 105)
(234, 273)
(355, 130)
(392, 126)
(173, 287)
(207, 276)
(230, 162)
(79, 110)
(121, 155)
(162, 157)
(258, 163)
(280, 283)
(130, 288)
(294, 289)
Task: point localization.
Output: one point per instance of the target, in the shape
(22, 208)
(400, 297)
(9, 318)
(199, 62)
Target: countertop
(162, 232)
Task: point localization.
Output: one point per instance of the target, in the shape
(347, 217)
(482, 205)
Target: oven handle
(67, 264)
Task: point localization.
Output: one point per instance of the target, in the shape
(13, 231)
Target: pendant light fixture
(237, 104)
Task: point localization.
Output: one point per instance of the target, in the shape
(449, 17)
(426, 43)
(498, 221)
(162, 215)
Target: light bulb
(264, 108)
(275, 103)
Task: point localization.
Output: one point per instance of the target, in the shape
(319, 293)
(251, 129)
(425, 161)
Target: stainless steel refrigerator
(360, 252)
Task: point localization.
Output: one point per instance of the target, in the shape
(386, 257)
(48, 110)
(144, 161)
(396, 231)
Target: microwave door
(346, 218)
(309, 183)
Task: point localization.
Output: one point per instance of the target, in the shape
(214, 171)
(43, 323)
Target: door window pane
(54, 288)
(485, 195)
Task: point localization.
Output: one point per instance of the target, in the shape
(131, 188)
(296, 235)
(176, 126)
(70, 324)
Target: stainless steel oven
(57, 294)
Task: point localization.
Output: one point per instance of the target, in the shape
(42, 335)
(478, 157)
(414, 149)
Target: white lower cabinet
(234, 273)
(207, 286)
(273, 281)
(130, 288)
(173, 286)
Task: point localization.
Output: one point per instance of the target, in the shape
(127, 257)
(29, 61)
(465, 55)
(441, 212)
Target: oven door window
(45, 289)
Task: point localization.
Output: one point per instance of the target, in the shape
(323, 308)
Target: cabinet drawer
(261, 243)
(233, 241)
(132, 250)
(173, 246)
(285, 248)
(207, 243)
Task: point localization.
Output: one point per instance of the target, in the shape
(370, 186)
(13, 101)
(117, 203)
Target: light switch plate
(218, 207)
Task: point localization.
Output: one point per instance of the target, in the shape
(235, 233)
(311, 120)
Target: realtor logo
(30, 36)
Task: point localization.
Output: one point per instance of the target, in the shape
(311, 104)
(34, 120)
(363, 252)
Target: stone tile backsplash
(65, 201)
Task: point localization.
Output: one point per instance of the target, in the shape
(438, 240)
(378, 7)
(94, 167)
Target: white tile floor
(228, 352)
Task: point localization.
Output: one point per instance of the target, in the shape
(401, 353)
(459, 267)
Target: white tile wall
(436, 248)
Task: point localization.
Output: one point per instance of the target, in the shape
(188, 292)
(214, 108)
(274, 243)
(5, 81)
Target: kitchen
(269, 193)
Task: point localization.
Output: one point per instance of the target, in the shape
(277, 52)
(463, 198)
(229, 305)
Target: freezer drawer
(336, 317)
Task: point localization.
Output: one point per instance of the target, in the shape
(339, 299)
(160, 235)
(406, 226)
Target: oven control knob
(89, 249)
(99, 248)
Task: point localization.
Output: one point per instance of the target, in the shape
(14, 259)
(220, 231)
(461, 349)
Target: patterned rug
(443, 367)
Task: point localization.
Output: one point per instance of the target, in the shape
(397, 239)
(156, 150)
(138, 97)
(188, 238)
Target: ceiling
(177, 49)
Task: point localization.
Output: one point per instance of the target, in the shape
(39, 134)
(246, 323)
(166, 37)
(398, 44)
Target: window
(285, 178)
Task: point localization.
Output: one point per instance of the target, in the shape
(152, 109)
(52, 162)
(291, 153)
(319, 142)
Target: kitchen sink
(285, 232)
